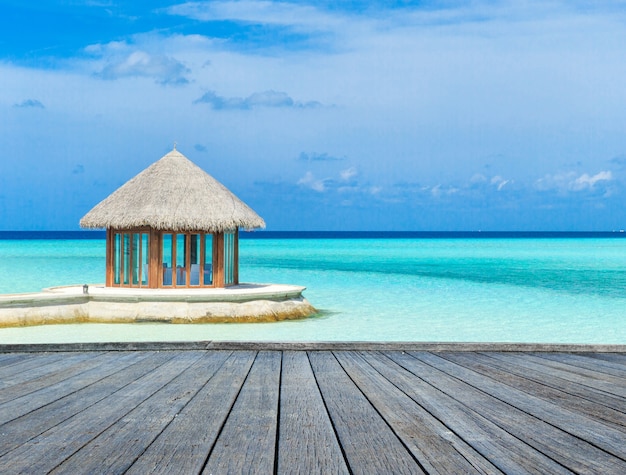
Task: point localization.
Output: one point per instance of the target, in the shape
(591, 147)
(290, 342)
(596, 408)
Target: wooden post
(155, 268)
(218, 260)
(109, 258)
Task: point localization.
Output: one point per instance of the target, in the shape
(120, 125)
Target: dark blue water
(19, 235)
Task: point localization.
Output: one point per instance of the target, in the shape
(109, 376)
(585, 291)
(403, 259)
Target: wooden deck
(312, 411)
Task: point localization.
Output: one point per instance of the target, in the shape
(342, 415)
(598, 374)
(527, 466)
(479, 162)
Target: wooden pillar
(109, 258)
(155, 274)
(218, 260)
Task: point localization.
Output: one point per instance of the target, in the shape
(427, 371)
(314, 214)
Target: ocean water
(445, 287)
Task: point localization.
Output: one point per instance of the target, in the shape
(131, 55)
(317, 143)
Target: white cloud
(571, 181)
(164, 69)
(499, 182)
(439, 190)
(258, 12)
(478, 178)
(348, 174)
(554, 182)
(585, 181)
(424, 94)
(309, 181)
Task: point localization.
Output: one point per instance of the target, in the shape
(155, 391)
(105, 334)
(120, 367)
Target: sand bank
(99, 304)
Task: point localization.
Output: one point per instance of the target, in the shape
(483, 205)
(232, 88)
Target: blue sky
(355, 115)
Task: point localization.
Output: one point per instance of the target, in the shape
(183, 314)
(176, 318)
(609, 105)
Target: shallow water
(507, 290)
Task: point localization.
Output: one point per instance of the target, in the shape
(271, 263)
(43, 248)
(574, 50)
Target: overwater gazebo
(172, 226)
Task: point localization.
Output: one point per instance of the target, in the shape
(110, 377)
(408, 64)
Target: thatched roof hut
(172, 225)
(173, 194)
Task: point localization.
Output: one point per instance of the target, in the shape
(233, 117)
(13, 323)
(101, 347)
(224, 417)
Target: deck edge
(312, 346)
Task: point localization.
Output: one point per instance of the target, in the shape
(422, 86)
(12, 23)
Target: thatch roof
(173, 194)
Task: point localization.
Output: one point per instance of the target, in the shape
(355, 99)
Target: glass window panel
(208, 260)
(229, 241)
(181, 271)
(226, 261)
(167, 259)
(117, 255)
(126, 264)
(135, 258)
(194, 259)
(145, 255)
(231, 257)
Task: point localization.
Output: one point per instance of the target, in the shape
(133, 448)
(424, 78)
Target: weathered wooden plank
(595, 432)
(94, 369)
(593, 376)
(9, 359)
(619, 358)
(597, 366)
(307, 442)
(538, 373)
(52, 447)
(19, 362)
(484, 365)
(247, 442)
(576, 454)
(582, 376)
(105, 346)
(370, 446)
(510, 454)
(148, 410)
(47, 374)
(433, 444)
(114, 450)
(184, 445)
(29, 426)
(36, 362)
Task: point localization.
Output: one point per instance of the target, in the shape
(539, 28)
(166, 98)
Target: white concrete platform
(246, 302)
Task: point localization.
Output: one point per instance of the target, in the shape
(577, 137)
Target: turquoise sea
(472, 287)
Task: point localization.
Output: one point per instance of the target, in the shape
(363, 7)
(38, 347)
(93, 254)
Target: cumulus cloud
(585, 181)
(309, 181)
(439, 190)
(571, 181)
(348, 174)
(258, 99)
(478, 178)
(558, 181)
(499, 182)
(163, 69)
(343, 182)
(34, 103)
